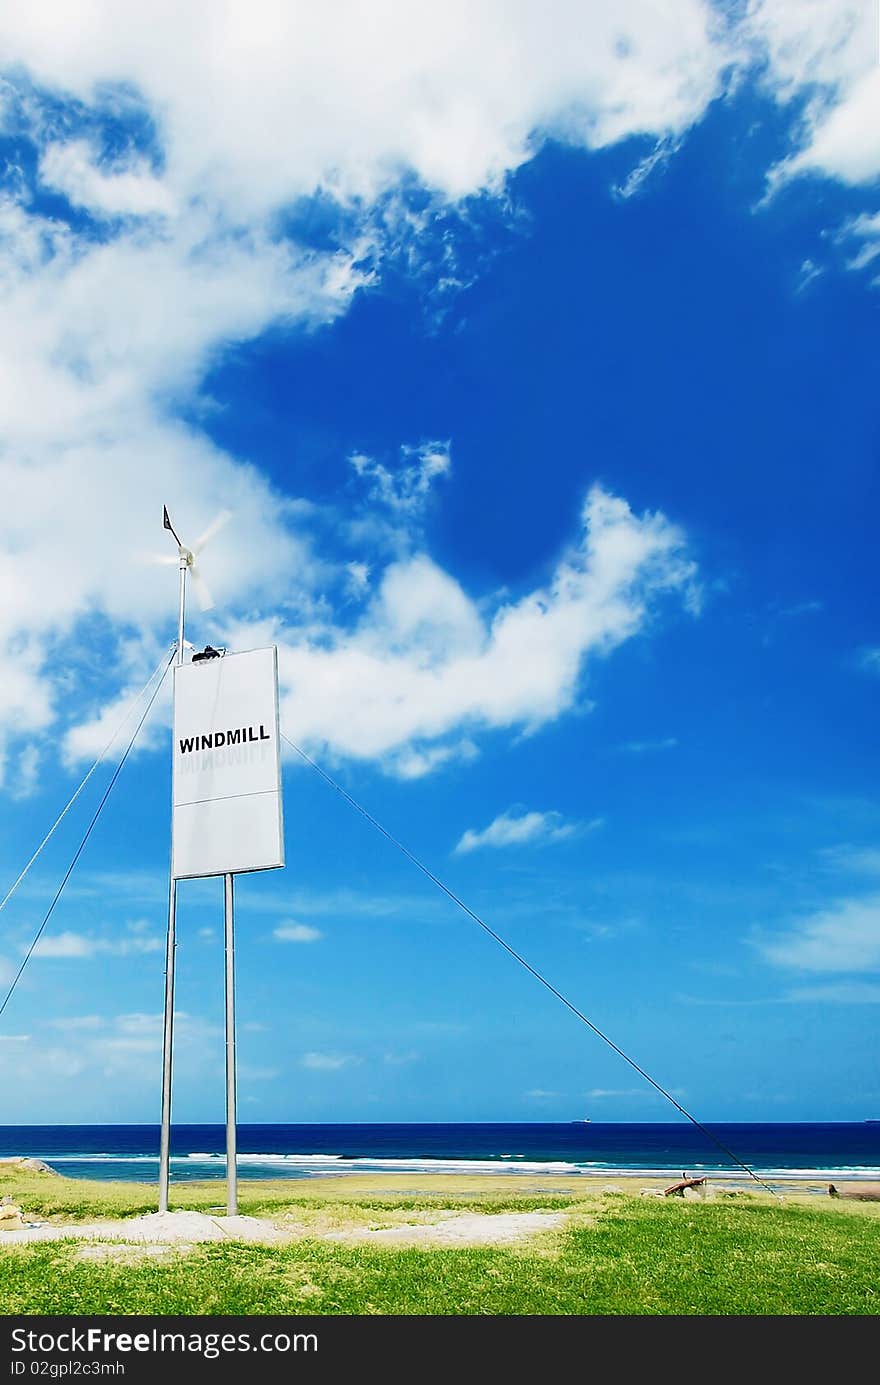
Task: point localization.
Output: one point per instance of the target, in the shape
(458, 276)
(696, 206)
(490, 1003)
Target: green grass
(81, 1200)
(621, 1255)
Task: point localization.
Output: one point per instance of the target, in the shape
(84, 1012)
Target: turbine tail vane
(186, 556)
(166, 524)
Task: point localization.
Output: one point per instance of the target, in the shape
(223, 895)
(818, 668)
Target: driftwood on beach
(678, 1189)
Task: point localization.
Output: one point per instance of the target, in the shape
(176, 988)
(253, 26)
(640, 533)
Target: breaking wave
(206, 1164)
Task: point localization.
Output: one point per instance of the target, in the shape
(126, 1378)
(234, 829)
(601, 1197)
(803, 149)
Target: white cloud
(328, 1062)
(131, 1038)
(864, 228)
(512, 829)
(869, 659)
(15, 1038)
(111, 324)
(809, 43)
(645, 747)
(425, 662)
(114, 316)
(78, 1022)
(842, 938)
(38, 1062)
(358, 576)
(355, 95)
(603, 1093)
(413, 762)
(808, 272)
(538, 1094)
(113, 725)
(297, 933)
(70, 944)
(104, 341)
(811, 607)
(133, 190)
(844, 993)
(25, 781)
(659, 156)
(846, 142)
(64, 945)
(405, 489)
(110, 1047)
(828, 50)
(342, 903)
(864, 860)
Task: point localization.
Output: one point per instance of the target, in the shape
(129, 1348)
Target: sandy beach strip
(343, 1184)
(439, 1223)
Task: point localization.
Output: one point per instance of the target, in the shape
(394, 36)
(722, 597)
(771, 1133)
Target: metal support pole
(170, 951)
(231, 1152)
(167, 1038)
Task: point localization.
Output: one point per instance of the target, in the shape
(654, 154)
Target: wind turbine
(186, 561)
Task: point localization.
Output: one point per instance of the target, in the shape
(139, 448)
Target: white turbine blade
(203, 596)
(165, 559)
(213, 528)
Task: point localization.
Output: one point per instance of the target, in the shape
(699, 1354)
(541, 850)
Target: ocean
(106, 1152)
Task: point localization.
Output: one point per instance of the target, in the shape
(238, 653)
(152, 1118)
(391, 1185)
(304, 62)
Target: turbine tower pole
(170, 942)
(231, 1133)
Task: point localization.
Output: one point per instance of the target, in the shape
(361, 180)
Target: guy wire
(450, 894)
(70, 802)
(88, 833)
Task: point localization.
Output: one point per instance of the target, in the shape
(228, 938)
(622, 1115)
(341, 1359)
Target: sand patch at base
(462, 1229)
(186, 1229)
(157, 1228)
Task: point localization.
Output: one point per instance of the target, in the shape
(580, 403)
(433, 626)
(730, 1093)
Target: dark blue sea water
(850, 1151)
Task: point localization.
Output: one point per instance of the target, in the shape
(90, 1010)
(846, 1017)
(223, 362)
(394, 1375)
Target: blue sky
(540, 377)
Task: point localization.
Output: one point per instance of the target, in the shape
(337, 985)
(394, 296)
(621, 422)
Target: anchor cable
(66, 809)
(88, 831)
(450, 894)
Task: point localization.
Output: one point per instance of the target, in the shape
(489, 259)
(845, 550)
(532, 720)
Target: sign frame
(216, 834)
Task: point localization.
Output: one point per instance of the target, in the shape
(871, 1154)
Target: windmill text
(214, 739)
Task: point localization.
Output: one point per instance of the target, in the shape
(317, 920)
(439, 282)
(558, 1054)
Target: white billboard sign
(226, 814)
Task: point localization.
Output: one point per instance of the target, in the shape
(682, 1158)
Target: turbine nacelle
(186, 556)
